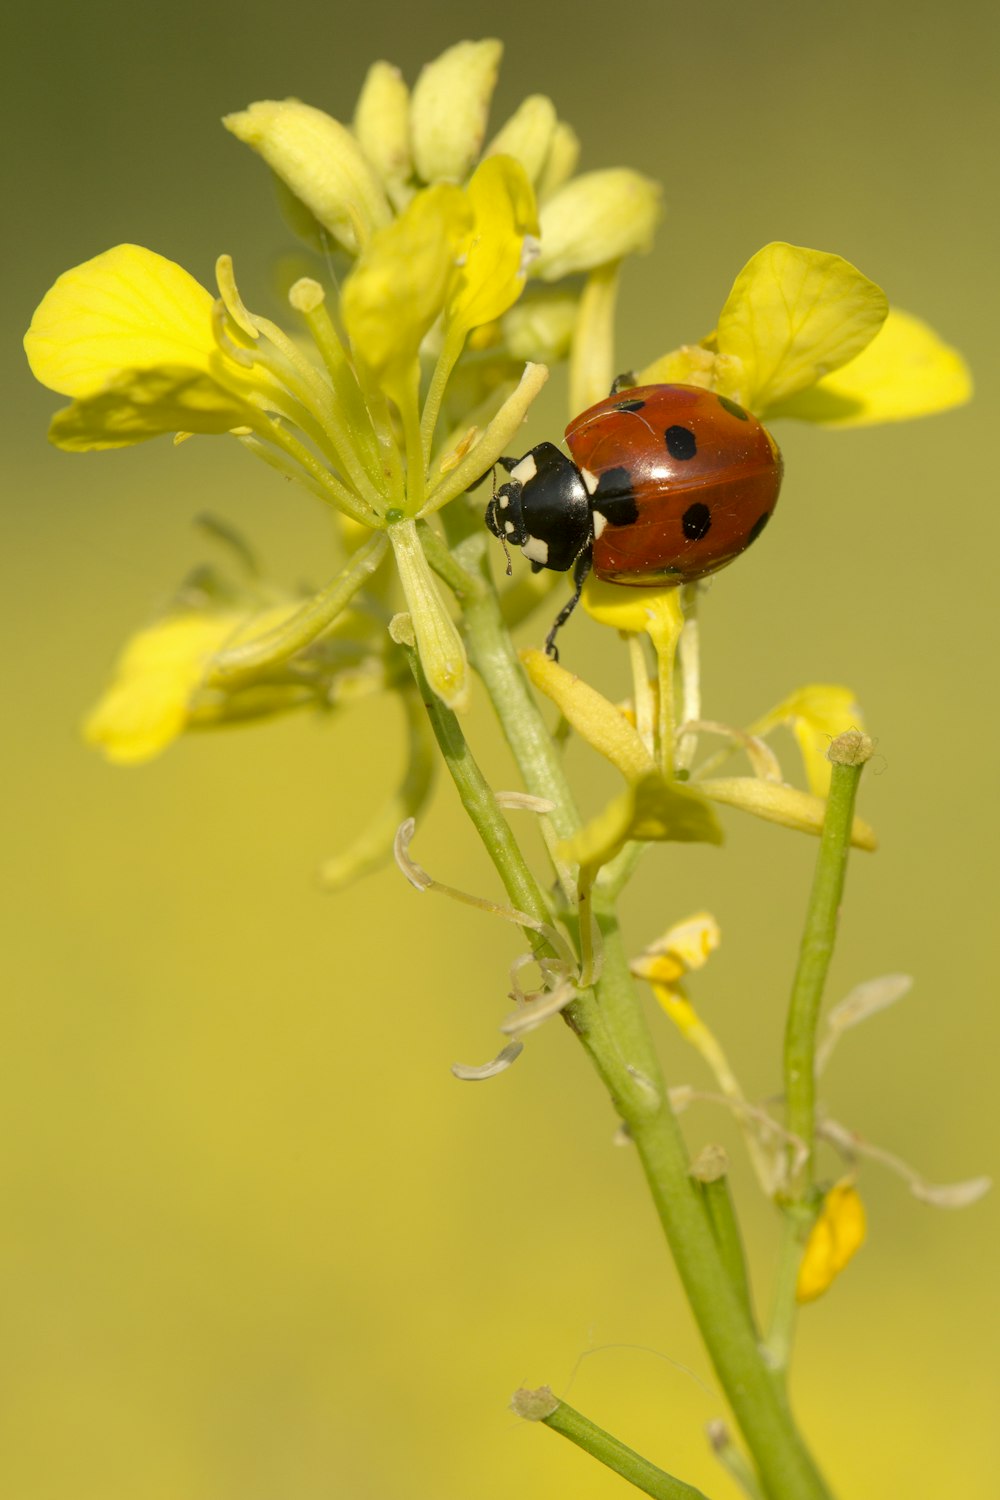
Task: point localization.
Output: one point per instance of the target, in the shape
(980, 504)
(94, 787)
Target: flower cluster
(469, 266)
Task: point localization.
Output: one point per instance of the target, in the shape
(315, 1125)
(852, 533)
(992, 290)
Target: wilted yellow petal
(382, 124)
(399, 285)
(651, 809)
(595, 218)
(780, 804)
(834, 1239)
(492, 271)
(527, 135)
(320, 162)
(451, 101)
(127, 309)
(794, 315)
(906, 371)
(816, 714)
(596, 720)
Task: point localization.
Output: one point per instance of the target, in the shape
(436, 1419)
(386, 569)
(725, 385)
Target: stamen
(763, 761)
(500, 1064)
(226, 282)
(771, 1139)
(524, 801)
(850, 1145)
(418, 877)
(535, 1012)
(863, 1001)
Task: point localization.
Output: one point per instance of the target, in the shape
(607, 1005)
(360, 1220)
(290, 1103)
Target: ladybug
(666, 484)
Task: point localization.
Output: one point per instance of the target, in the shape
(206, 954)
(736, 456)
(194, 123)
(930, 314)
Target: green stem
(495, 659)
(848, 755)
(612, 1029)
(849, 752)
(481, 806)
(722, 1217)
(608, 1450)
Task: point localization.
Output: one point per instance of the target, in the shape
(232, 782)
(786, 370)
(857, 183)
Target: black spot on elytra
(681, 442)
(732, 408)
(629, 405)
(758, 527)
(615, 499)
(696, 521)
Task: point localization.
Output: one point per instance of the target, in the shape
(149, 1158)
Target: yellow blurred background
(257, 1243)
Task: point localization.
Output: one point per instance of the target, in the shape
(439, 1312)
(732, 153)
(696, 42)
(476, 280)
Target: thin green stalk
(725, 1226)
(495, 659)
(848, 753)
(245, 661)
(481, 805)
(621, 1050)
(542, 1406)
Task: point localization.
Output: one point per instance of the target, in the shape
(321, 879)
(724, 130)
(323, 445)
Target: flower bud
(320, 162)
(560, 164)
(598, 217)
(527, 135)
(382, 125)
(451, 102)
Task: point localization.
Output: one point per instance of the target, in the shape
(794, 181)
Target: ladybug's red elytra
(666, 484)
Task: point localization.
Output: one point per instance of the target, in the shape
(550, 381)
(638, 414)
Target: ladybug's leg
(620, 383)
(580, 570)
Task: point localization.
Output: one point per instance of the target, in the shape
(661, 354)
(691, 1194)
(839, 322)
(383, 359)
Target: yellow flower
(804, 334)
(835, 1238)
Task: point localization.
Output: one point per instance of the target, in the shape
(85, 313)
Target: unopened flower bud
(451, 102)
(320, 162)
(527, 135)
(382, 124)
(597, 218)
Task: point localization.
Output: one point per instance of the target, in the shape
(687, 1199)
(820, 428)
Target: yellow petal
(694, 364)
(596, 720)
(127, 309)
(320, 162)
(145, 404)
(399, 285)
(780, 804)
(836, 1236)
(794, 315)
(816, 714)
(595, 218)
(527, 135)
(451, 101)
(492, 262)
(148, 703)
(650, 809)
(382, 124)
(633, 610)
(906, 371)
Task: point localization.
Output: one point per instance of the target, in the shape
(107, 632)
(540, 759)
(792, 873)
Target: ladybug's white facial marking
(525, 470)
(590, 480)
(535, 550)
(599, 523)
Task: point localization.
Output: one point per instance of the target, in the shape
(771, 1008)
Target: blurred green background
(257, 1243)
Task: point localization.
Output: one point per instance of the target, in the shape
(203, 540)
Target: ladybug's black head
(544, 509)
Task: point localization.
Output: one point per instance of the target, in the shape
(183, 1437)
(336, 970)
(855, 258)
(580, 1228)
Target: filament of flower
(314, 391)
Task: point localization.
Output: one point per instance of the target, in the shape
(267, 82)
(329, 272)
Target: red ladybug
(666, 484)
